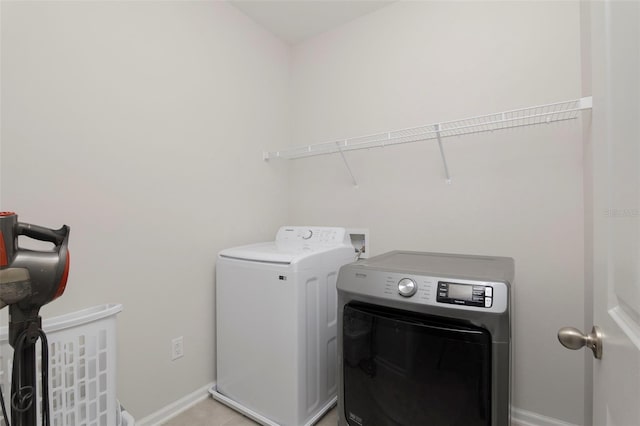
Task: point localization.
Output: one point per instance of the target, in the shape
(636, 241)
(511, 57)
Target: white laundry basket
(82, 368)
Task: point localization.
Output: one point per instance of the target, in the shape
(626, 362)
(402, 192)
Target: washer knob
(307, 234)
(407, 287)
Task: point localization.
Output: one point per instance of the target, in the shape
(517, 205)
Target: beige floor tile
(206, 413)
(240, 421)
(329, 419)
(212, 413)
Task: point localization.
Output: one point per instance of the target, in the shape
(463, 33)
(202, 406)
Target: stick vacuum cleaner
(29, 279)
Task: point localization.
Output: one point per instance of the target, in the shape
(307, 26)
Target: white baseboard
(520, 417)
(176, 407)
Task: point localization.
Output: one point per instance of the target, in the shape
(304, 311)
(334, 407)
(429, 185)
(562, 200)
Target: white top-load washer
(276, 325)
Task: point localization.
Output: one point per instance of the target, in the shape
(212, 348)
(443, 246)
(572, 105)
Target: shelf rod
(497, 121)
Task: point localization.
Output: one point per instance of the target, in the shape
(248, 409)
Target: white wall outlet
(177, 348)
(360, 241)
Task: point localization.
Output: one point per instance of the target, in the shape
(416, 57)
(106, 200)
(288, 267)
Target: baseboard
(176, 407)
(520, 417)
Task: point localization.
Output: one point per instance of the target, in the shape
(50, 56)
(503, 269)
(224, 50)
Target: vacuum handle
(55, 236)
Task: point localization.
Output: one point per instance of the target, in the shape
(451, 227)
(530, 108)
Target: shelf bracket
(444, 158)
(346, 163)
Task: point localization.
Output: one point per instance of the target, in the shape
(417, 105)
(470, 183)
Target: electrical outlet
(360, 241)
(177, 348)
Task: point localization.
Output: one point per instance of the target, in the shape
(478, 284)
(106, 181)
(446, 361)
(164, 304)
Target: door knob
(572, 338)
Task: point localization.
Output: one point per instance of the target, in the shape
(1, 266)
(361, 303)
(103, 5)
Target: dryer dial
(307, 234)
(407, 287)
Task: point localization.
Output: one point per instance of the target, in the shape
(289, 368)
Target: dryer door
(407, 369)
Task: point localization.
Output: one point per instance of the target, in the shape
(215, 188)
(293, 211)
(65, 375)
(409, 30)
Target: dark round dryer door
(406, 369)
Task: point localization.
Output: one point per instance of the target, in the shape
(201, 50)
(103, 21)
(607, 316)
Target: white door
(615, 140)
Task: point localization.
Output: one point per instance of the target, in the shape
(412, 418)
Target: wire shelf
(542, 114)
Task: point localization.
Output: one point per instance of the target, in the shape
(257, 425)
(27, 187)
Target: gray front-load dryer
(424, 339)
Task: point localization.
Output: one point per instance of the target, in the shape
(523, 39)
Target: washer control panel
(465, 294)
(311, 236)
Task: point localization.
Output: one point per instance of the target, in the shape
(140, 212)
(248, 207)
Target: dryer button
(487, 302)
(488, 291)
(407, 287)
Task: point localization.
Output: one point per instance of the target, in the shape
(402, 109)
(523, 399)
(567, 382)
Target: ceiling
(296, 20)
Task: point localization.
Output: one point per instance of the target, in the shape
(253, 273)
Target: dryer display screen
(460, 291)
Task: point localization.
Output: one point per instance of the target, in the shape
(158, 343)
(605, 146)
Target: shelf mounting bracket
(346, 163)
(444, 158)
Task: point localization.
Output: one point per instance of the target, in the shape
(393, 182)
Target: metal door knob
(572, 338)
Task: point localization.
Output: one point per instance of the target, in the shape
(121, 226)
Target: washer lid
(268, 252)
(292, 244)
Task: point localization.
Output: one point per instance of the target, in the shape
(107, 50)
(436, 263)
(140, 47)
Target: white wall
(141, 125)
(514, 193)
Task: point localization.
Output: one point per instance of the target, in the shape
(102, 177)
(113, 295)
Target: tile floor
(212, 413)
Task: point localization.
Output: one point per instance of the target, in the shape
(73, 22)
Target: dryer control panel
(465, 294)
(413, 289)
